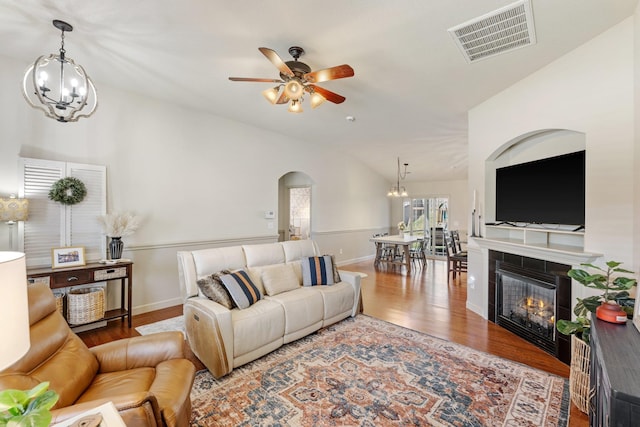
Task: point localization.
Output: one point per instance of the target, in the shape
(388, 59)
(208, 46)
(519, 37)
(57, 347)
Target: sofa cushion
(279, 279)
(257, 326)
(213, 288)
(267, 254)
(242, 290)
(317, 271)
(338, 299)
(298, 249)
(303, 308)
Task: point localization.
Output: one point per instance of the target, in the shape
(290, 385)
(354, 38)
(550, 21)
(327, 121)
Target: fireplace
(527, 296)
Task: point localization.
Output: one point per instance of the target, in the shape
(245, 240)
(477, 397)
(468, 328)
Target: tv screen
(547, 191)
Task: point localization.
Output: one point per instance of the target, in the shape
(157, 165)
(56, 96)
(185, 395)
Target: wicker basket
(579, 373)
(59, 296)
(85, 305)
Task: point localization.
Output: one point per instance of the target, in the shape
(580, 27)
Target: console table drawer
(109, 273)
(71, 278)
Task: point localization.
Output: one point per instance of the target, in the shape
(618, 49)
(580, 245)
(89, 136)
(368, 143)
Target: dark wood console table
(91, 273)
(615, 375)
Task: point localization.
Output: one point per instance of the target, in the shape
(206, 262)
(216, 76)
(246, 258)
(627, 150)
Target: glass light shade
(294, 89)
(60, 88)
(14, 315)
(13, 209)
(295, 107)
(271, 94)
(317, 99)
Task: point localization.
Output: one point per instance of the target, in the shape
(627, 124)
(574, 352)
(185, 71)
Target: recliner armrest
(136, 409)
(137, 352)
(209, 329)
(354, 278)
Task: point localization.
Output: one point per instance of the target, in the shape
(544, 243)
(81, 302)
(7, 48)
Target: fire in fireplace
(527, 304)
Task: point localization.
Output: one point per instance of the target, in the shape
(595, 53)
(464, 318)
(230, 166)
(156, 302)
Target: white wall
(589, 90)
(196, 179)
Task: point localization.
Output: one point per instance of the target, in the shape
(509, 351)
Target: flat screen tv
(547, 191)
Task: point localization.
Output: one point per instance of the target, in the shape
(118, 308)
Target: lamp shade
(14, 316)
(14, 209)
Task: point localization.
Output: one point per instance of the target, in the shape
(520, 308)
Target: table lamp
(14, 316)
(12, 210)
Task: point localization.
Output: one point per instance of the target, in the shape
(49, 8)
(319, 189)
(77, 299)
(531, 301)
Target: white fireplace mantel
(563, 254)
(550, 244)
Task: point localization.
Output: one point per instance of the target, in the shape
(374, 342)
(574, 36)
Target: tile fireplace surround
(540, 246)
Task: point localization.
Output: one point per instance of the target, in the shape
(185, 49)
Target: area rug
(173, 324)
(367, 372)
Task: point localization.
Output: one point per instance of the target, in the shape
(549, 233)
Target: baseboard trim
(355, 260)
(140, 309)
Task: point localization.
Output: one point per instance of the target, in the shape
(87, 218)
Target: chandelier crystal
(58, 86)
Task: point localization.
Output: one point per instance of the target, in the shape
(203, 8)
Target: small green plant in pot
(605, 306)
(29, 408)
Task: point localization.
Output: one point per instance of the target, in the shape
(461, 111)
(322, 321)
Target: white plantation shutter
(83, 228)
(51, 224)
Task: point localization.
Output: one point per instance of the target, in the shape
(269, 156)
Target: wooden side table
(88, 274)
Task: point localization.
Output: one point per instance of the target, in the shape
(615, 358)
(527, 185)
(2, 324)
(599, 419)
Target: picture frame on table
(70, 256)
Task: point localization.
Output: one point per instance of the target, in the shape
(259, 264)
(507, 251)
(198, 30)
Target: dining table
(403, 241)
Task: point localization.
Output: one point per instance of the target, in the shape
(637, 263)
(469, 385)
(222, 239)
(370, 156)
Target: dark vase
(115, 247)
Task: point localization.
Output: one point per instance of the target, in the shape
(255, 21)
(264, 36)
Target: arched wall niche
(292, 179)
(535, 145)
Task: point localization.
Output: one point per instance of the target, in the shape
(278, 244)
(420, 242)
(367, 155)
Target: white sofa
(224, 339)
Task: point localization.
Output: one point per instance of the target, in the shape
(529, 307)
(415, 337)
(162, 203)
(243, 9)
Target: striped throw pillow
(317, 270)
(241, 288)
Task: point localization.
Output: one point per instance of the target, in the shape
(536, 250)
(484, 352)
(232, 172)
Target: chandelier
(396, 190)
(58, 86)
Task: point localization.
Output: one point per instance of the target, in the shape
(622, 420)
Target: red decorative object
(611, 313)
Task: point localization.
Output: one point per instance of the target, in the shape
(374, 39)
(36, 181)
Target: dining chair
(455, 237)
(456, 261)
(417, 253)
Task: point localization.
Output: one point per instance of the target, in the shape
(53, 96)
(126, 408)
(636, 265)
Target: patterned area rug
(173, 324)
(367, 372)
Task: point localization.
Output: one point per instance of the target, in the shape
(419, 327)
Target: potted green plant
(615, 288)
(27, 408)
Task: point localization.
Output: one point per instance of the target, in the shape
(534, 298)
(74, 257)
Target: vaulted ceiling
(409, 97)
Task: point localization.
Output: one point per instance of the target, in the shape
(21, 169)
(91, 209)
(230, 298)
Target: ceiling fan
(296, 78)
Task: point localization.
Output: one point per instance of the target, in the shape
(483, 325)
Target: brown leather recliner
(147, 378)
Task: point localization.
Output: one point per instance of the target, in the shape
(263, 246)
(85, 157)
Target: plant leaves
(13, 399)
(568, 327)
(612, 264)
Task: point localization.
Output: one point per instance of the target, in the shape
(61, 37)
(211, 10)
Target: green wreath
(68, 191)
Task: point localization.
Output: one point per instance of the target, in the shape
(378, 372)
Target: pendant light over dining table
(58, 86)
(396, 190)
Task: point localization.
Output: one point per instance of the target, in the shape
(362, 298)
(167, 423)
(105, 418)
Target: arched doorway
(294, 205)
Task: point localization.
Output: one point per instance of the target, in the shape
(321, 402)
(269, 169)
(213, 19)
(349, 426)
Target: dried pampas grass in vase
(117, 225)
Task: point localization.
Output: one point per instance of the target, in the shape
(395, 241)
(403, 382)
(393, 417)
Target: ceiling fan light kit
(58, 86)
(296, 79)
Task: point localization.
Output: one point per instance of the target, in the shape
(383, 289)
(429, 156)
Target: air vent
(500, 31)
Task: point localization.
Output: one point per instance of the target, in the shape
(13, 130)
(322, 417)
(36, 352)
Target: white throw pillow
(279, 279)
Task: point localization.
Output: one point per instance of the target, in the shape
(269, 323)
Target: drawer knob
(72, 279)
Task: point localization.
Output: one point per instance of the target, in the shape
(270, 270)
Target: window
(51, 224)
(427, 217)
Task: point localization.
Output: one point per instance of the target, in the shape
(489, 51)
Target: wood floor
(423, 301)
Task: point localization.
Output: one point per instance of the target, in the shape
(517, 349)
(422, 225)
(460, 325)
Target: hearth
(527, 296)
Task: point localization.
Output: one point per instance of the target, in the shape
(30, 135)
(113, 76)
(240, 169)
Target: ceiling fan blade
(329, 96)
(251, 79)
(333, 73)
(276, 60)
